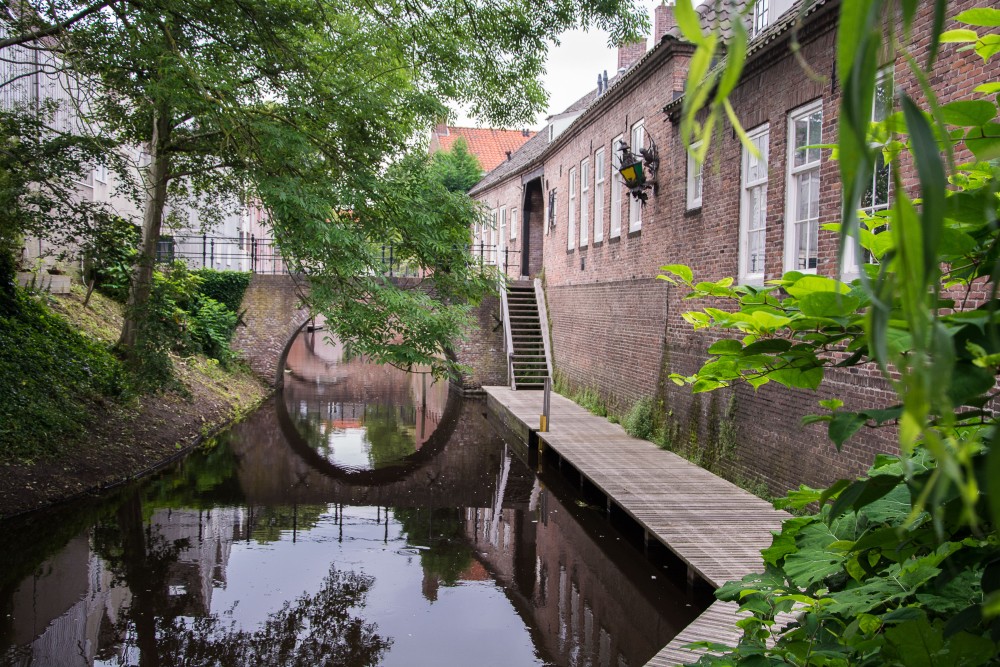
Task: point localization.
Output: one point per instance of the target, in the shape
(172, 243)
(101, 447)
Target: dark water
(363, 517)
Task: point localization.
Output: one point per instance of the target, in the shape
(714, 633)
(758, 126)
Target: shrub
(211, 328)
(640, 422)
(226, 287)
(49, 373)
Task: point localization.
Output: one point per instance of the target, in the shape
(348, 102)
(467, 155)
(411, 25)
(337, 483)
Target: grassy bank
(71, 418)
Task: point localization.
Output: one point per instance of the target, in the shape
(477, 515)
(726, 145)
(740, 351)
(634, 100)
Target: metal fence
(262, 255)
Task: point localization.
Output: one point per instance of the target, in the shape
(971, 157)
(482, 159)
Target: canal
(363, 516)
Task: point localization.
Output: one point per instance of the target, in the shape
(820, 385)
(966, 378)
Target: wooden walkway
(714, 526)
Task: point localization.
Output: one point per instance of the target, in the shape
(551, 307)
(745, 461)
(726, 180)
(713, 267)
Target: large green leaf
(981, 16)
(968, 113)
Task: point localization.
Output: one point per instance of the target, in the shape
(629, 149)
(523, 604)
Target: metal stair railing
(508, 340)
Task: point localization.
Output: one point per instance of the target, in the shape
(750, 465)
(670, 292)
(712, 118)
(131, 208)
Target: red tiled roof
(490, 146)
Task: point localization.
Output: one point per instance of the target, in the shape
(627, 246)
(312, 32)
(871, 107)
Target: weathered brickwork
(273, 314)
(609, 336)
(481, 350)
(617, 330)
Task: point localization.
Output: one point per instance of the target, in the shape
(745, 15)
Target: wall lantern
(639, 171)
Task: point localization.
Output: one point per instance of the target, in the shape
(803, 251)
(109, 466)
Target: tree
(306, 106)
(899, 567)
(458, 169)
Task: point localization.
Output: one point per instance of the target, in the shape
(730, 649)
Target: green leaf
(968, 113)
(843, 426)
(767, 346)
(993, 473)
(988, 46)
(798, 378)
(980, 16)
(727, 346)
(682, 271)
(916, 643)
(814, 561)
(989, 88)
(687, 21)
(984, 141)
(959, 35)
(968, 382)
(828, 304)
(809, 284)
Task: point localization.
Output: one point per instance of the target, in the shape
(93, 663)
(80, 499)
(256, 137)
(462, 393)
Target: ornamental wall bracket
(639, 171)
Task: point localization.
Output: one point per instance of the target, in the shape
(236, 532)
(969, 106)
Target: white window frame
(695, 183)
(492, 249)
(794, 174)
(571, 218)
(760, 136)
(513, 223)
(617, 186)
(502, 235)
(637, 134)
(599, 170)
(584, 200)
(852, 267)
(101, 174)
(759, 17)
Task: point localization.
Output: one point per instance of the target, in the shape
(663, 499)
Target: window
(165, 249)
(805, 129)
(101, 173)
(584, 200)
(493, 237)
(694, 179)
(617, 185)
(502, 236)
(753, 208)
(570, 225)
(876, 196)
(599, 195)
(513, 224)
(634, 205)
(759, 18)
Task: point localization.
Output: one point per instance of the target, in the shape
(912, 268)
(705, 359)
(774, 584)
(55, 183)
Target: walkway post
(546, 403)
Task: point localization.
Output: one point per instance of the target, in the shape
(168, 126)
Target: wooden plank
(715, 527)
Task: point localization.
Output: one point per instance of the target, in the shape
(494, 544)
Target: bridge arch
(273, 315)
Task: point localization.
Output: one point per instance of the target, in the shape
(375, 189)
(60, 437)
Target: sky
(572, 68)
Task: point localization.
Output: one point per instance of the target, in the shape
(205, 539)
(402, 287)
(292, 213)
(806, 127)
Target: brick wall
(616, 330)
(273, 316)
(482, 349)
(609, 336)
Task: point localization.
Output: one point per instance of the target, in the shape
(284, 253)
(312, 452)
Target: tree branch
(55, 28)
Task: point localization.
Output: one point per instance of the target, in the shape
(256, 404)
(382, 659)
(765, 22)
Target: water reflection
(358, 415)
(246, 553)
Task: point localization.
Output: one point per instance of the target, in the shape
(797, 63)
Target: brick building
(618, 330)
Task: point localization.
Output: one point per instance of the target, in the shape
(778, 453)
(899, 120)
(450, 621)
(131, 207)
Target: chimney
(628, 54)
(664, 21)
(605, 77)
(600, 85)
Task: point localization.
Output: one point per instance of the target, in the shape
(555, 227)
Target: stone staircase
(528, 363)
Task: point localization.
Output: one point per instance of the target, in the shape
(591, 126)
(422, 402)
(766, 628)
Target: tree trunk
(156, 198)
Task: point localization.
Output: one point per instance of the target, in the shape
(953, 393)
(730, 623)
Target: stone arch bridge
(274, 315)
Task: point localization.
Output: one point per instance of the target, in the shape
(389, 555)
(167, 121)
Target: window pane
(801, 139)
(815, 134)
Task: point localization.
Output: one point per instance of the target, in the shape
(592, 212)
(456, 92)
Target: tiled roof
(799, 10)
(527, 154)
(489, 145)
(534, 148)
